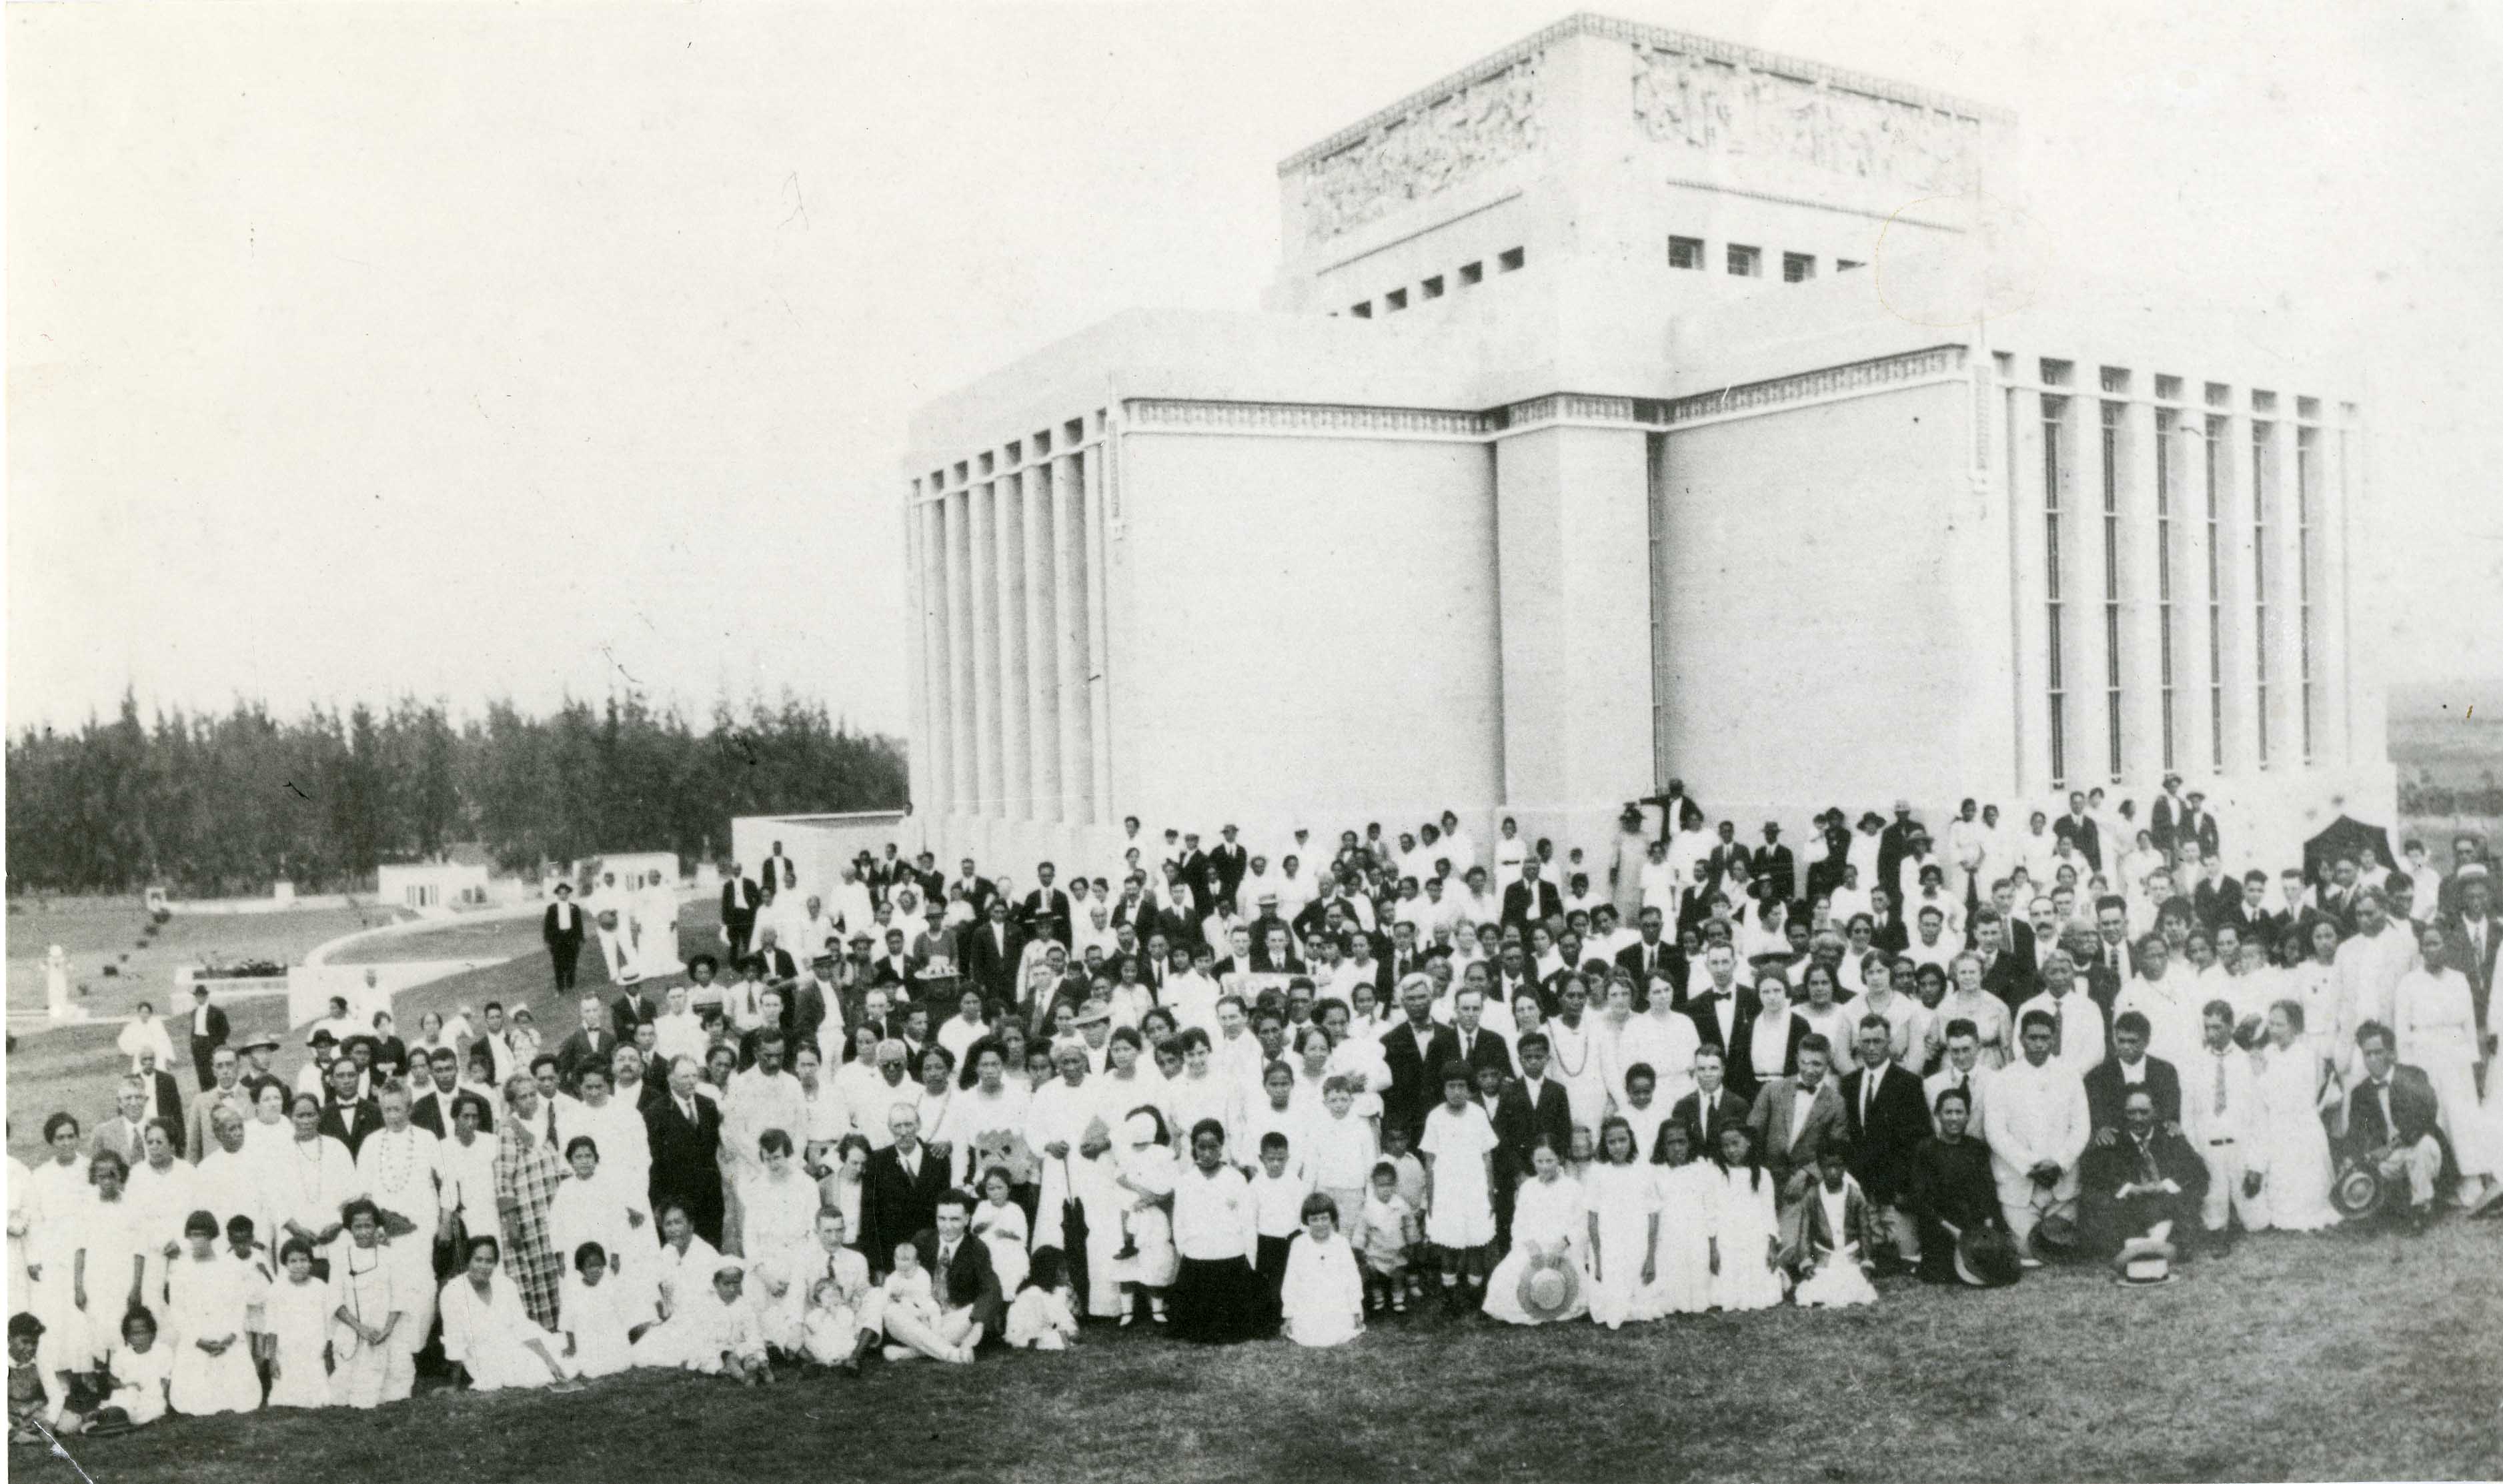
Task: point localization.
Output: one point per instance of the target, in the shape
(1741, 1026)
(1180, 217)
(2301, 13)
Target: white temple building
(1631, 406)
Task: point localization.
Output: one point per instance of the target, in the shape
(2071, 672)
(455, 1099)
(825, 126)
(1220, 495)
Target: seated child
(296, 1322)
(39, 1386)
(1837, 1236)
(1043, 1315)
(138, 1373)
(1386, 1235)
(1323, 1297)
(909, 1297)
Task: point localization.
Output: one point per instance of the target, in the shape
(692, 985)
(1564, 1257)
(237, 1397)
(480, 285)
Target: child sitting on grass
(138, 1373)
(1043, 1315)
(1323, 1297)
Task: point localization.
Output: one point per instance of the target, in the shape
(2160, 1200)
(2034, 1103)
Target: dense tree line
(223, 804)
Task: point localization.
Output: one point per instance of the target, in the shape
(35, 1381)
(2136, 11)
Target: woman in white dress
(1510, 850)
(309, 1179)
(2313, 983)
(54, 1194)
(1547, 1219)
(779, 1205)
(486, 1331)
(2436, 1023)
(2290, 1152)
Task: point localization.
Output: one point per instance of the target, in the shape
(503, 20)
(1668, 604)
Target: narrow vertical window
(2055, 668)
(2259, 587)
(2303, 473)
(2164, 429)
(2111, 416)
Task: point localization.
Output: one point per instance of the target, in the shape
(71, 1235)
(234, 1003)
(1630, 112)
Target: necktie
(1867, 1094)
(2220, 1083)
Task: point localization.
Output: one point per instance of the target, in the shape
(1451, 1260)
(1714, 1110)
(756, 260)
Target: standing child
(1385, 1233)
(255, 1258)
(1322, 1297)
(138, 1372)
(298, 1317)
(1460, 1186)
(1835, 1236)
(1277, 1195)
(1683, 1281)
(207, 1291)
(1340, 1149)
(1273, 1113)
(1000, 1222)
(595, 1316)
(1410, 1172)
(1623, 1224)
(1746, 1230)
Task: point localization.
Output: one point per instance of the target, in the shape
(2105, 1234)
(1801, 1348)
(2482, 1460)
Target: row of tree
(224, 805)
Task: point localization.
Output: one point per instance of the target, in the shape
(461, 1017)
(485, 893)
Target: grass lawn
(2337, 1356)
(96, 931)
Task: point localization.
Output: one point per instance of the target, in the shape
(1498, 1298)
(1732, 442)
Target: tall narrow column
(985, 579)
(2144, 739)
(1072, 707)
(2229, 449)
(2329, 590)
(2284, 638)
(1016, 797)
(1041, 647)
(930, 780)
(1099, 693)
(2199, 648)
(956, 516)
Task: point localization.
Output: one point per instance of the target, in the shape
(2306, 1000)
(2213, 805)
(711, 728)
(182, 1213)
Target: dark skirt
(1218, 1304)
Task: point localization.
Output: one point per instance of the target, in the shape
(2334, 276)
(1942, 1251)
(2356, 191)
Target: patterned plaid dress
(527, 1170)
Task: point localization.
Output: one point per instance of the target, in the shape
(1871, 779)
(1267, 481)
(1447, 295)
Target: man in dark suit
(900, 1189)
(1777, 871)
(636, 1007)
(1478, 1047)
(771, 963)
(1654, 956)
(962, 1282)
(2474, 935)
(2080, 830)
(2197, 824)
(2128, 1069)
(978, 889)
(1893, 843)
(1273, 950)
(684, 1131)
(1136, 911)
(992, 952)
(1794, 1119)
(740, 896)
(1885, 1119)
(1707, 1109)
(1227, 864)
(1044, 913)
(1416, 1050)
(1530, 900)
(561, 929)
(433, 1108)
(1719, 1006)
(592, 1042)
(2137, 1189)
(209, 1031)
(2164, 815)
(2393, 1120)
(346, 1117)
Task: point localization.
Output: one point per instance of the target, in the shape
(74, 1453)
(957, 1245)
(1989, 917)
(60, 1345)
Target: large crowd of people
(916, 1112)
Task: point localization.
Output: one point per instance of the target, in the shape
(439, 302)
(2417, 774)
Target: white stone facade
(1576, 504)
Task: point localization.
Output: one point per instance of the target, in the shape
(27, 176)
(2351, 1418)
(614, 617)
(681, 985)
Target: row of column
(1009, 573)
(2258, 546)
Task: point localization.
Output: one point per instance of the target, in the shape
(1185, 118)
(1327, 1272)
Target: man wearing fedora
(561, 928)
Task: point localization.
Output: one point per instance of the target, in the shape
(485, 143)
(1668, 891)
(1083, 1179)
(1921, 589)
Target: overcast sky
(476, 350)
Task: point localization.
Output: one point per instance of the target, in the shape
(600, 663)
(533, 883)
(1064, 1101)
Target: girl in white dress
(106, 1264)
(1746, 1228)
(206, 1295)
(1459, 1149)
(1835, 1266)
(592, 1206)
(2436, 1023)
(1622, 1200)
(1683, 1281)
(1323, 1298)
(297, 1314)
(1000, 1222)
(2290, 1150)
(367, 1309)
(1547, 1218)
(598, 1317)
(140, 1373)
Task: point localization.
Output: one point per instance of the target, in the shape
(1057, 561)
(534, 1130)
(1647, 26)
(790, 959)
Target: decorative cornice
(1811, 385)
(1586, 23)
(1169, 415)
